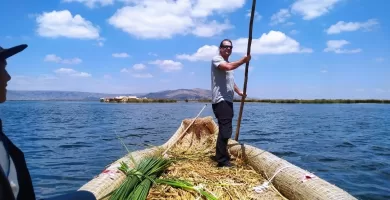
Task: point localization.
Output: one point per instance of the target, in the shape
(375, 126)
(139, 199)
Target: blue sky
(300, 48)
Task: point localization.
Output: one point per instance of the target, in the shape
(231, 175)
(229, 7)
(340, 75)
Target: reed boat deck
(257, 174)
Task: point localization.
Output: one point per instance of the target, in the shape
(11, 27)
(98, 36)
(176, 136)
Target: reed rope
(184, 132)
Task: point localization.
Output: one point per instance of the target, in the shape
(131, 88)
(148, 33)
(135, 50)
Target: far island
(135, 99)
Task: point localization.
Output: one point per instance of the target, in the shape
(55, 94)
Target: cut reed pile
(192, 163)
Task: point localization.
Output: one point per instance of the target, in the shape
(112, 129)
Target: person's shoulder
(217, 58)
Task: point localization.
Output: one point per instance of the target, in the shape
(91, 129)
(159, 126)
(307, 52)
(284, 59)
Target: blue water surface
(67, 143)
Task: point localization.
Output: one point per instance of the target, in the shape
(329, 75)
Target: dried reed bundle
(191, 161)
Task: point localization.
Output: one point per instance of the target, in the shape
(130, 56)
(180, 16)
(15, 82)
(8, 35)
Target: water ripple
(68, 143)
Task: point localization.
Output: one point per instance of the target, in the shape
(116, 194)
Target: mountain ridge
(176, 94)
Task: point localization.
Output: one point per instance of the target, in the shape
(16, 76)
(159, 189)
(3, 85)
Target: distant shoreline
(274, 101)
(131, 100)
(311, 101)
(171, 96)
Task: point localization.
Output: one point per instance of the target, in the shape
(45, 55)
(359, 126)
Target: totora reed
(257, 174)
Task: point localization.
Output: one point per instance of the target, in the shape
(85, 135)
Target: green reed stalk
(139, 180)
(186, 186)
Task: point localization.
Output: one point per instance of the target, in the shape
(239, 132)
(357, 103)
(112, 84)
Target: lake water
(67, 143)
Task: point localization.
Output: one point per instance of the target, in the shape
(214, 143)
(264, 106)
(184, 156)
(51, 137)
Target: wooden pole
(246, 70)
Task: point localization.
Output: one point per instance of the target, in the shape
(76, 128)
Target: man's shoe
(227, 164)
(213, 158)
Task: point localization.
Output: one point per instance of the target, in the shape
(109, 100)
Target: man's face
(226, 48)
(4, 78)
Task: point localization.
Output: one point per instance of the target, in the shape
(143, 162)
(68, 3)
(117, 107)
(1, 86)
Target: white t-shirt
(12, 176)
(222, 82)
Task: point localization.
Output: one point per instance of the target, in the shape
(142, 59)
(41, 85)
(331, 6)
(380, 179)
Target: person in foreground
(15, 180)
(223, 88)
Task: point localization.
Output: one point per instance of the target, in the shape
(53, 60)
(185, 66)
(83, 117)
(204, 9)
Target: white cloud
(92, 3)
(343, 26)
(166, 18)
(125, 70)
(280, 17)
(146, 75)
(72, 61)
(120, 55)
(57, 59)
(311, 9)
(71, 72)
(100, 44)
(203, 8)
(168, 65)
(324, 71)
(52, 58)
(134, 73)
(204, 53)
(64, 71)
(139, 67)
(211, 29)
(81, 74)
(62, 24)
(152, 22)
(256, 17)
(336, 46)
(274, 42)
(136, 67)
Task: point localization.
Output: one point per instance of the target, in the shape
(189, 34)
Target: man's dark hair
(221, 44)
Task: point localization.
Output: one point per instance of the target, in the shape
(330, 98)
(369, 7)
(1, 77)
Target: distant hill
(59, 95)
(179, 94)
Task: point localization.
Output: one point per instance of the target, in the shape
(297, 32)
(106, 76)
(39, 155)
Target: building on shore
(120, 98)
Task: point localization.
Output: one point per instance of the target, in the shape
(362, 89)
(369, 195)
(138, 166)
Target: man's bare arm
(236, 89)
(233, 65)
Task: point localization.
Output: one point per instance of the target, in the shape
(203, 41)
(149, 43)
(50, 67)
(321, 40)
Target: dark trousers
(223, 111)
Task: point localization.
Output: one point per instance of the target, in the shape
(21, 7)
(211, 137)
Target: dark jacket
(26, 190)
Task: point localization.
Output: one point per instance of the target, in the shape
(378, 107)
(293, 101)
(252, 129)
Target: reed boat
(256, 174)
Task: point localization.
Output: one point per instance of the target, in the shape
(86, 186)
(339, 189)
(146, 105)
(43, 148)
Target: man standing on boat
(223, 88)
